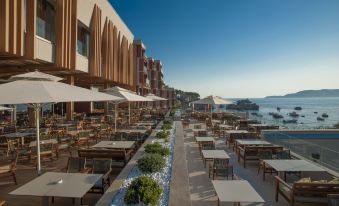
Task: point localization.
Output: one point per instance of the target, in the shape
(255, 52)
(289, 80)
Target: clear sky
(239, 48)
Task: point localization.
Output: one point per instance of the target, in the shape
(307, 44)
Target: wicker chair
(101, 166)
(8, 168)
(221, 168)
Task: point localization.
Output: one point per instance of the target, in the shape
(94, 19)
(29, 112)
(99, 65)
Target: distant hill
(311, 93)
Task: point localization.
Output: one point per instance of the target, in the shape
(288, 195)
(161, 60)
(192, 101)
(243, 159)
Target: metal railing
(309, 150)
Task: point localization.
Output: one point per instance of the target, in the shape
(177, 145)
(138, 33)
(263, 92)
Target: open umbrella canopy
(126, 95)
(154, 97)
(36, 75)
(42, 91)
(5, 108)
(212, 100)
(37, 88)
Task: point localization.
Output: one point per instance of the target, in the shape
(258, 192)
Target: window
(46, 20)
(83, 41)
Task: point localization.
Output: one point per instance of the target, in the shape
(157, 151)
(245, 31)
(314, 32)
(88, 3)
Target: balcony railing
(306, 148)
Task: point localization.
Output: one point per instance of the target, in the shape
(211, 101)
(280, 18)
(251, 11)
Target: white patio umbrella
(36, 92)
(154, 97)
(127, 96)
(5, 108)
(36, 75)
(212, 100)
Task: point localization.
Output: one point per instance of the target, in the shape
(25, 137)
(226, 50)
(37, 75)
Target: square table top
(236, 191)
(115, 144)
(142, 131)
(48, 141)
(76, 132)
(204, 139)
(17, 134)
(199, 130)
(225, 126)
(65, 124)
(74, 185)
(293, 166)
(252, 142)
(236, 131)
(215, 154)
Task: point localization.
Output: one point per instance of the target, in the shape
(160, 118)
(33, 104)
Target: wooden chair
(101, 166)
(305, 193)
(265, 155)
(221, 168)
(333, 199)
(76, 165)
(9, 168)
(283, 155)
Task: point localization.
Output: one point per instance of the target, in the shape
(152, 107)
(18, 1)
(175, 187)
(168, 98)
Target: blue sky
(239, 48)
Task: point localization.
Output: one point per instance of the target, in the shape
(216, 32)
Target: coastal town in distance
(169, 103)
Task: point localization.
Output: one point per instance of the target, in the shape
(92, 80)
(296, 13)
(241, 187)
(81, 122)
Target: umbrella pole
(210, 106)
(37, 114)
(129, 113)
(115, 116)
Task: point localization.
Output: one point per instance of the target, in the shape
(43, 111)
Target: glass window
(83, 41)
(45, 20)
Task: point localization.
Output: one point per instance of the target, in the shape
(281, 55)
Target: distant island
(310, 93)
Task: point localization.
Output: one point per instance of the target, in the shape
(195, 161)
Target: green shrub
(168, 121)
(151, 163)
(143, 189)
(163, 134)
(166, 127)
(336, 125)
(157, 148)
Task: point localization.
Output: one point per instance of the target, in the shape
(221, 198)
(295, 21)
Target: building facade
(84, 41)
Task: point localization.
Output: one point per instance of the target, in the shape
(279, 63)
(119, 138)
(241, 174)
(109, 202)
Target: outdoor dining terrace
(227, 166)
(90, 147)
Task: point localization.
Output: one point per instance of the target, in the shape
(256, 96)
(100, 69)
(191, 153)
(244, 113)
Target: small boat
(256, 114)
(277, 116)
(315, 112)
(298, 108)
(324, 115)
(294, 114)
(320, 119)
(302, 115)
(291, 121)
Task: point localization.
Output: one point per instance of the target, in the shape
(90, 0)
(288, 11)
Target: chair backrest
(284, 154)
(265, 154)
(316, 190)
(333, 199)
(208, 146)
(46, 147)
(75, 164)
(11, 145)
(220, 163)
(101, 166)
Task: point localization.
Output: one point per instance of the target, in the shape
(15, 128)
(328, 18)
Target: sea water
(309, 106)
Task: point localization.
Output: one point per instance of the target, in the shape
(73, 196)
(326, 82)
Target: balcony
(45, 50)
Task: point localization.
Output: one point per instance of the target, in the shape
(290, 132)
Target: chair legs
(14, 178)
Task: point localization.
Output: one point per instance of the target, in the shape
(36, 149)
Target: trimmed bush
(163, 134)
(151, 163)
(143, 189)
(167, 124)
(157, 148)
(168, 121)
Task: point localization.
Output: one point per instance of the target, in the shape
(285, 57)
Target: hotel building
(84, 41)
